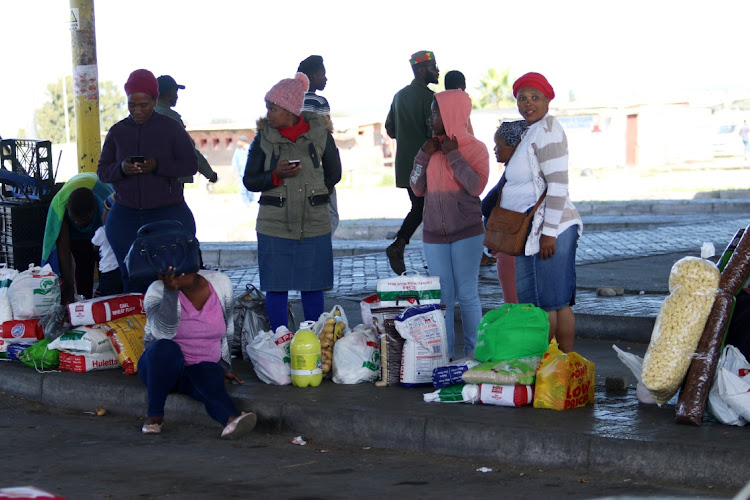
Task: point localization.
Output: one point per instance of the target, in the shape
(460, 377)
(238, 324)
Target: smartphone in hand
(294, 163)
(136, 159)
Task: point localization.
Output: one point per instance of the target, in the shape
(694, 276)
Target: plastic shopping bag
(635, 364)
(512, 331)
(356, 357)
(729, 399)
(34, 292)
(563, 380)
(269, 353)
(40, 356)
(426, 343)
(7, 275)
(250, 319)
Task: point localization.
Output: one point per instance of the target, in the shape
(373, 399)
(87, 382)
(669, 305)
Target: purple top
(160, 137)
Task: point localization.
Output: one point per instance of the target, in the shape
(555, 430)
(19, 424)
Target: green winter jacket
(298, 207)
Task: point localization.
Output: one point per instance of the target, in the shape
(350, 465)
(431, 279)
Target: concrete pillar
(85, 84)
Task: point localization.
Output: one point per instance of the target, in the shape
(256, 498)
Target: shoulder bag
(507, 230)
(160, 246)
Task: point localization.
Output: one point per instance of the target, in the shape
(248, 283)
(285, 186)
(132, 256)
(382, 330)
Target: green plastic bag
(40, 357)
(512, 331)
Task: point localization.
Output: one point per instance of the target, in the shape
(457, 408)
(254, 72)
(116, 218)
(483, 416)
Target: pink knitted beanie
(289, 93)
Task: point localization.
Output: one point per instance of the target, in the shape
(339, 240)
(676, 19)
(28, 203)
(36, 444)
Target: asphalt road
(80, 456)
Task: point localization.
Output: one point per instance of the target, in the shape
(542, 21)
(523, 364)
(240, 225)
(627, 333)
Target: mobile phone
(136, 159)
(294, 163)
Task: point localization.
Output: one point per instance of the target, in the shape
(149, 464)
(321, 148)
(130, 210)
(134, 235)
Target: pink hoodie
(451, 184)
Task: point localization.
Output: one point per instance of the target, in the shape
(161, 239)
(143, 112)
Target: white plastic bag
(729, 400)
(356, 357)
(7, 275)
(34, 292)
(269, 353)
(635, 364)
(426, 343)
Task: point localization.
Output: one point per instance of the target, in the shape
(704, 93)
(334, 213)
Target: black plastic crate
(22, 223)
(30, 158)
(20, 256)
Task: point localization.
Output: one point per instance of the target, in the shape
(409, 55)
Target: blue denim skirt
(549, 284)
(305, 265)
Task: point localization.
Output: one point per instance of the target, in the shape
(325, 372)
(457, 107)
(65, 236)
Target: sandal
(240, 426)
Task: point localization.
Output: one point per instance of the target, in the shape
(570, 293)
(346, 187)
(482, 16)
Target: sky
(228, 53)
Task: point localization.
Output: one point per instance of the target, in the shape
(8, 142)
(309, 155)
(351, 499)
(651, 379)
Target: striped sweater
(547, 150)
(163, 312)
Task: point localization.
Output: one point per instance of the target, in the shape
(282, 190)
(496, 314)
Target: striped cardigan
(548, 159)
(163, 312)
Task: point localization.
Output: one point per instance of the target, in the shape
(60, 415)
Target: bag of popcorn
(693, 285)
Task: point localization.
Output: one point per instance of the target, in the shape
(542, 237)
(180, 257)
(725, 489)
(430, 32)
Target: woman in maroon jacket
(143, 157)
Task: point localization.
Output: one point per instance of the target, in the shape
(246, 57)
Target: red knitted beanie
(536, 81)
(142, 80)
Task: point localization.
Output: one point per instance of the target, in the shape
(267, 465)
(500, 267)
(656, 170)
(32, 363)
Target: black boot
(395, 253)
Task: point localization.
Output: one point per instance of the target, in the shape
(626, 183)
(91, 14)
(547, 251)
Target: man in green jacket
(168, 88)
(409, 123)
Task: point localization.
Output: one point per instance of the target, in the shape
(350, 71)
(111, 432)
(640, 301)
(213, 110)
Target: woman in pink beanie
(538, 169)
(294, 164)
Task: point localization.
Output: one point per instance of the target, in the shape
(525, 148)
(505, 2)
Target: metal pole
(85, 84)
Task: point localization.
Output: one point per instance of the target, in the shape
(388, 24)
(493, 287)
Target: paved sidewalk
(617, 435)
(630, 316)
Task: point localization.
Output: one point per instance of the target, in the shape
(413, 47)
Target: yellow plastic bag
(126, 335)
(563, 381)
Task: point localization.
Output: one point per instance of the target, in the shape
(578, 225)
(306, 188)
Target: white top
(519, 194)
(107, 259)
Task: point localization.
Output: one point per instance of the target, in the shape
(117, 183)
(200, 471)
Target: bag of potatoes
(330, 327)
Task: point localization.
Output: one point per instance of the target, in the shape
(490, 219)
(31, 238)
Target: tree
(50, 118)
(495, 90)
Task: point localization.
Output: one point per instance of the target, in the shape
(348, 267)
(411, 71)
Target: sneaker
(151, 428)
(240, 426)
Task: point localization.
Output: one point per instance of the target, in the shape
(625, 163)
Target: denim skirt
(305, 265)
(551, 283)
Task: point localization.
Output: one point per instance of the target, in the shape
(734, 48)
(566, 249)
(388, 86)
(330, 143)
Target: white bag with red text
(356, 357)
(103, 309)
(269, 354)
(729, 398)
(80, 362)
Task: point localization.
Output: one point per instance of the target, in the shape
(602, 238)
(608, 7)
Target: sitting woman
(545, 271)
(188, 327)
(507, 137)
(451, 171)
(294, 164)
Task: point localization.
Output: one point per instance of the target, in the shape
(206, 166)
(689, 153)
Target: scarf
(293, 132)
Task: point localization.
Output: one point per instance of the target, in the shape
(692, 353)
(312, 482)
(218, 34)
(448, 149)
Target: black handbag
(160, 246)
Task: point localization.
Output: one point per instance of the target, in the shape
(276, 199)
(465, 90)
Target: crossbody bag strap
(500, 194)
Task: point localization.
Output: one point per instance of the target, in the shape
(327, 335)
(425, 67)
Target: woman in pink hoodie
(451, 171)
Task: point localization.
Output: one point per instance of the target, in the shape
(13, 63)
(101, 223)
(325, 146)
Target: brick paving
(356, 276)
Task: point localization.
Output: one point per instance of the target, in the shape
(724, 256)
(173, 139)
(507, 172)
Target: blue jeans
(122, 228)
(162, 370)
(457, 264)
